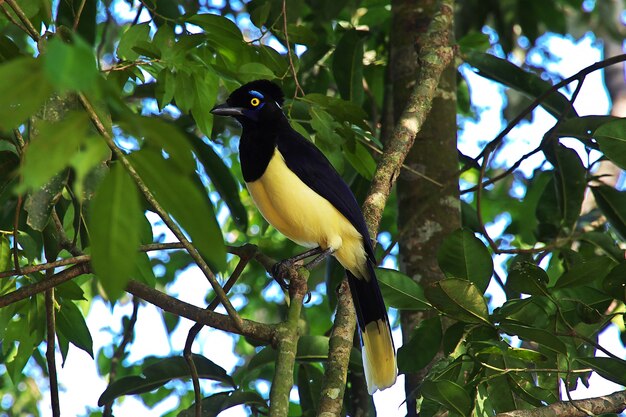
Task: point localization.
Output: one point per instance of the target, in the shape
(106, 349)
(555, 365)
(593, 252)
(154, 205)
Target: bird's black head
(257, 102)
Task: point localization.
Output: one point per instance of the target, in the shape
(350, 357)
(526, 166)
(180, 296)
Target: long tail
(379, 354)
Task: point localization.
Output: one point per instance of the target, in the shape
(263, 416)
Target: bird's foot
(281, 272)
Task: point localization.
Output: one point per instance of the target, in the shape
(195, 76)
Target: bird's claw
(280, 273)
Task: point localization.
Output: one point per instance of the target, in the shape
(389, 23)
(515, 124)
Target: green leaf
(449, 394)
(70, 66)
(130, 38)
(222, 179)
(5, 253)
(114, 225)
(540, 336)
(216, 403)
(312, 348)
(9, 165)
(191, 208)
(218, 26)
(206, 92)
(422, 347)
(255, 71)
(361, 160)
(310, 378)
(161, 134)
(143, 271)
(612, 140)
(184, 93)
(52, 149)
(586, 272)
(462, 255)
(161, 372)
(40, 203)
(23, 90)
(71, 324)
(613, 369)
(259, 12)
(17, 331)
(509, 74)
(70, 290)
(459, 299)
(582, 128)
(527, 278)
(613, 205)
(570, 181)
(614, 284)
(348, 66)
(400, 291)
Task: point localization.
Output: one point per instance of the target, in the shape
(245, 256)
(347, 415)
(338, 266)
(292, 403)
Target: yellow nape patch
(379, 356)
(304, 216)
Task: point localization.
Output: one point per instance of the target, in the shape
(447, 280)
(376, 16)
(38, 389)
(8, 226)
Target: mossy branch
(434, 57)
(287, 336)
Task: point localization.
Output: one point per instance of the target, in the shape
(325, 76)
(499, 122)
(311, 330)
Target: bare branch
(264, 333)
(50, 351)
(289, 53)
(246, 253)
(613, 403)
(41, 286)
(127, 336)
(30, 29)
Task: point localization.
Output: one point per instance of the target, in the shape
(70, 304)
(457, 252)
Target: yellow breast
(304, 216)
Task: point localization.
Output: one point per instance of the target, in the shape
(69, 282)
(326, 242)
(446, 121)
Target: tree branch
(334, 384)
(245, 253)
(41, 286)
(127, 336)
(193, 252)
(613, 403)
(264, 333)
(50, 351)
(434, 57)
(287, 335)
(30, 29)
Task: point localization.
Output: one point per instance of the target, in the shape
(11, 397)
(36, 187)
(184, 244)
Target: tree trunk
(426, 212)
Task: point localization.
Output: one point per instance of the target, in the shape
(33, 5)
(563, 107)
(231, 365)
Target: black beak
(226, 110)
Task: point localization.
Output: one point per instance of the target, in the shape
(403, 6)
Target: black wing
(312, 167)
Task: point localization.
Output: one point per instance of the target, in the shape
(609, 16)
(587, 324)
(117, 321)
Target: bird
(298, 191)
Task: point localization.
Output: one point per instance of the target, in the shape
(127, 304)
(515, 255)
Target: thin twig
(12, 19)
(289, 54)
(127, 336)
(50, 352)
(19, 141)
(78, 13)
(479, 193)
(16, 223)
(64, 241)
(246, 254)
(193, 252)
(537, 102)
(30, 29)
(404, 166)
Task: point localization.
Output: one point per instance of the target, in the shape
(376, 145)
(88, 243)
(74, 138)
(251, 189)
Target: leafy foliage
(98, 116)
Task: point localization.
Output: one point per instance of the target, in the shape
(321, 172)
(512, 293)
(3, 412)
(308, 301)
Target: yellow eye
(255, 101)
